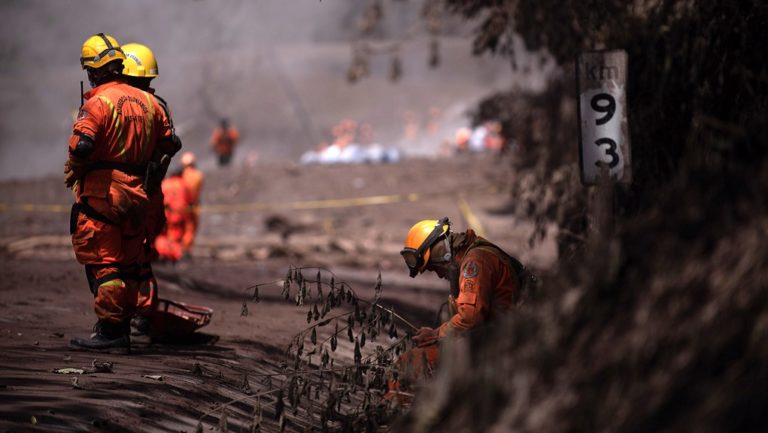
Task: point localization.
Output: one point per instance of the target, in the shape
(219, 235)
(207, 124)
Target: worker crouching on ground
(485, 282)
(223, 141)
(193, 180)
(117, 131)
(139, 69)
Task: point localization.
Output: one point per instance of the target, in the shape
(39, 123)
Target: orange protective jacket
(224, 141)
(126, 125)
(193, 179)
(487, 285)
(177, 203)
(125, 122)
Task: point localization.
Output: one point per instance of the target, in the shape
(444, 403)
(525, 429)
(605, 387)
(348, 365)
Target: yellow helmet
(420, 239)
(100, 49)
(139, 61)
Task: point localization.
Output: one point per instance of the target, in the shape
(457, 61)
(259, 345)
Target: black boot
(142, 324)
(108, 337)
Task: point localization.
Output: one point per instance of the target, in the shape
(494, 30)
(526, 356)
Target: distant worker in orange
(433, 124)
(411, 127)
(117, 131)
(462, 139)
(193, 180)
(170, 243)
(486, 283)
(139, 69)
(223, 141)
(494, 141)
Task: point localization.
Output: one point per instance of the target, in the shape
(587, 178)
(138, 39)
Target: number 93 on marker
(604, 141)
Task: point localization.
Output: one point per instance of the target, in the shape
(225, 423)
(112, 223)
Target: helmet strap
(448, 252)
(106, 41)
(434, 237)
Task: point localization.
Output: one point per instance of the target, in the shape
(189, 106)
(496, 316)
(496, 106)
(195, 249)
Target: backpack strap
(526, 280)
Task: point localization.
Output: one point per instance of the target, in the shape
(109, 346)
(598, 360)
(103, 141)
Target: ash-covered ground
(257, 222)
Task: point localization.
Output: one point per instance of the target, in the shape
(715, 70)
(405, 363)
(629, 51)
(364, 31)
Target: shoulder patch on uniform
(470, 269)
(82, 114)
(469, 286)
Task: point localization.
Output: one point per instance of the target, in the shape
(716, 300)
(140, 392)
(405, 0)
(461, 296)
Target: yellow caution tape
(313, 204)
(246, 207)
(29, 207)
(472, 220)
(296, 205)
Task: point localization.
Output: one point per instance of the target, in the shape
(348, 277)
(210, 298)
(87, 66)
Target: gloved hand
(70, 177)
(74, 169)
(425, 336)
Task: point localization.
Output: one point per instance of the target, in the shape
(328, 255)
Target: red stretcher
(178, 319)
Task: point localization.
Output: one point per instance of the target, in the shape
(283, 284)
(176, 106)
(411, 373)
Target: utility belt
(84, 208)
(130, 169)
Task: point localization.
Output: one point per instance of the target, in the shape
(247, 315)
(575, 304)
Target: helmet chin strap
(448, 253)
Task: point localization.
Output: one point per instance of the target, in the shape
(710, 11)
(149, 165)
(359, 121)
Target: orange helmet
(187, 159)
(420, 239)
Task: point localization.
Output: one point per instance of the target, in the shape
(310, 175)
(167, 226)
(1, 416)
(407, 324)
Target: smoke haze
(276, 68)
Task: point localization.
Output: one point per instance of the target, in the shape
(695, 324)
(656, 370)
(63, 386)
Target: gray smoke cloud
(276, 68)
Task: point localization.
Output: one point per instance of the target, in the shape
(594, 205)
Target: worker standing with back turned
(139, 69)
(114, 137)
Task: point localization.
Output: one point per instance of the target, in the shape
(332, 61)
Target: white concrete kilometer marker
(604, 134)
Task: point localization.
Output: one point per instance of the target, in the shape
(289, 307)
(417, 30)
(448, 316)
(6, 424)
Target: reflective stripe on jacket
(125, 123)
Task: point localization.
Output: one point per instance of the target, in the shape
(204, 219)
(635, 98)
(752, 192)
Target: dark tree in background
(667, 330)
(697, 75)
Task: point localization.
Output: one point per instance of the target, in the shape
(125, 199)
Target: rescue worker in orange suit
(193, 180)
(485, 284)
(139, 69)
(223, 141)
(117, 131)
(170, 243)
